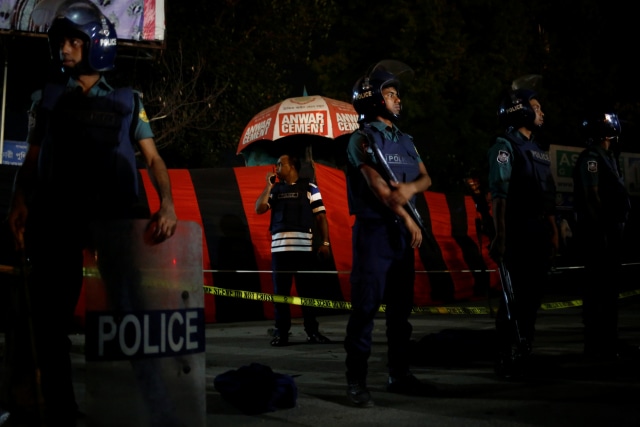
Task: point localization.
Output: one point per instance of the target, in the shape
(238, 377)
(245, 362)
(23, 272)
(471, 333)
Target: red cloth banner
(451, 265)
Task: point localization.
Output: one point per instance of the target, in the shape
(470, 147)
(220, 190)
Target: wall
(452, 264)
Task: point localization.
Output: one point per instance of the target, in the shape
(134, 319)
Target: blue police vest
(402, 158)
(290, 207)
(87, 150)
(531, 187)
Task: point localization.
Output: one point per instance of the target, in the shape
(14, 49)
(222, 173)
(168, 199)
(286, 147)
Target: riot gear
(515, 110)
(599, 126)
(378, 231)
(84, 20)
(602, 205)
(367, 96)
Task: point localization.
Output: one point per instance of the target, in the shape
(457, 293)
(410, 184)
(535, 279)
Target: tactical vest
(614, 198)
(87, 156)
(531, 186)
(401, 157)
(291, 208)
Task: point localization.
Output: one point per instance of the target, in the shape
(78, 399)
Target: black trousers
(383, 271)
(601, 285)
(528, 259)
(287, 267)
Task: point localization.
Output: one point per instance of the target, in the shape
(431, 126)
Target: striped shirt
(285, 241)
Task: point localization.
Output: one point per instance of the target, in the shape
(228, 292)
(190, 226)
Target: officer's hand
(162, 226)
(415, 231)
(401, 194)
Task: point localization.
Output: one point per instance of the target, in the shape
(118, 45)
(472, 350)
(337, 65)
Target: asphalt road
(562, 390)
(451, 351)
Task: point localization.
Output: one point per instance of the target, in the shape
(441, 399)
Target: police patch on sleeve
(503, 156)
(592, 166)
(143, 116)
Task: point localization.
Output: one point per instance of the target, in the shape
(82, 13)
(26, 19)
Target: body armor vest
(531, 187)
(291, 209)
(613, 194)
(88, 147)
(402, 158)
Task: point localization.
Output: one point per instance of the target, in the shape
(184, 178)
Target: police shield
(144, 342)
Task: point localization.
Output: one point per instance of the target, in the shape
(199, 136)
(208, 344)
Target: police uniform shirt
(536, 187)
(500, 167)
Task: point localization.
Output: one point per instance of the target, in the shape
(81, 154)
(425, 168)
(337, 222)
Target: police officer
(384, 234)
(295, 204)
(80, 166)
(523, 204)
(602, 206)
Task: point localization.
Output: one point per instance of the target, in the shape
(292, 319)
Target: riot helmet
(83, 19)
(515, 110)
(601, 125)
(367, 96)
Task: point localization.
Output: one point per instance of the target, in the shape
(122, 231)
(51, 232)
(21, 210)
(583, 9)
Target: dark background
(465, 54)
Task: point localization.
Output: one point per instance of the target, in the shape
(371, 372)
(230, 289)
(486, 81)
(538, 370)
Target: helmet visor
(402, 72)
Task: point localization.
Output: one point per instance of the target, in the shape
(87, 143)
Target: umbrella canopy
(305, 115)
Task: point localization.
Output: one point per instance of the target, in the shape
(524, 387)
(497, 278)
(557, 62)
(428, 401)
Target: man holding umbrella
(295, 204)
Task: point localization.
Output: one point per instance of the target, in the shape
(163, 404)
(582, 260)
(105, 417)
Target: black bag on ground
(255, 389)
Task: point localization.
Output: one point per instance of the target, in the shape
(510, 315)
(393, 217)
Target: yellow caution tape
(336, 305)
(345, 305)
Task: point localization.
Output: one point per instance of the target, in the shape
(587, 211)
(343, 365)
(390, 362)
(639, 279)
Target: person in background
(602, 207)
(295, 204)
(384, 235)
(80, 167)
(526, 236)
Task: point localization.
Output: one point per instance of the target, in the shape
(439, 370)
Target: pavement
(451, 351)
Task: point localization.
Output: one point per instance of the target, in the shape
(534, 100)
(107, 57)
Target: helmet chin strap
(533, 127)
(386, 113)
(80, 69)
(389, 115)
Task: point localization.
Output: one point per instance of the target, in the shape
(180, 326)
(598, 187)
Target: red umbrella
(305, 115)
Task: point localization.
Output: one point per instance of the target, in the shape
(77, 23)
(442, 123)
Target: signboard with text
(13, 152)
(563, 160)
(136, 20)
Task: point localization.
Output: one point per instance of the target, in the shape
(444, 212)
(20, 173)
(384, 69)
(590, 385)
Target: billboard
(631, 168)
(563, 159)
(135, 20)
